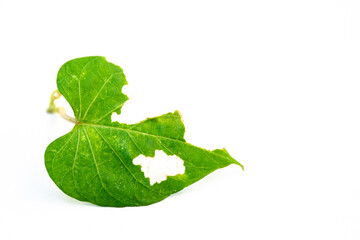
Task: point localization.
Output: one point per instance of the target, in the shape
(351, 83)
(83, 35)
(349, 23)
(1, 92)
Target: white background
(275, 82)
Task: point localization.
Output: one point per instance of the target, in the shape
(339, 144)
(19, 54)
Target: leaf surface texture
(93, 162)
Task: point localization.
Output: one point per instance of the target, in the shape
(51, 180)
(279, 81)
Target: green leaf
(94, 161)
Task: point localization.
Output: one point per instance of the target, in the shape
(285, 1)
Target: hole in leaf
(160, 166)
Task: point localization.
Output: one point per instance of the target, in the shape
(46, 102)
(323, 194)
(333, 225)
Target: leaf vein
(73, 166)
(121, 160)
(158, 136)
(97, 169)
(61, 149)
(97, 95)
(112, 110)
(79, 85)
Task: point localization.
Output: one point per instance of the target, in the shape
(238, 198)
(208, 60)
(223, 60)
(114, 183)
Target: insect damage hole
(160, 166)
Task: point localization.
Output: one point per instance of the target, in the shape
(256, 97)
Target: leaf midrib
(158, 136)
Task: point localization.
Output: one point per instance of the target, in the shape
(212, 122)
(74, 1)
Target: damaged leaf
(94, 161)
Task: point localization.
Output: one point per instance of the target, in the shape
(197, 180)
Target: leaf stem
(60, 110)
